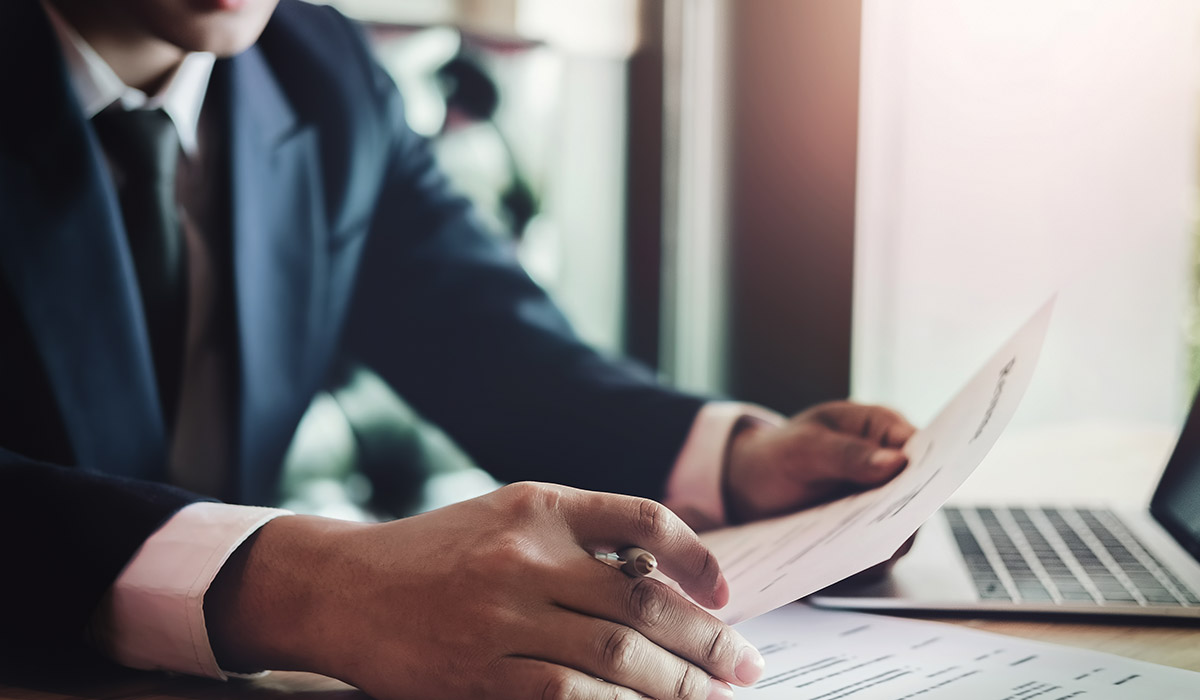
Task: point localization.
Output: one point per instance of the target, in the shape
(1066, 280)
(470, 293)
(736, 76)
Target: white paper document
(773, 562)
(816, 654)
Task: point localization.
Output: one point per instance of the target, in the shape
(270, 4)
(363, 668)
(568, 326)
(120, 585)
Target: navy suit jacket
(345, 238)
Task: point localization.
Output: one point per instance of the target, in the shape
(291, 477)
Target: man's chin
(221, 44)
(219, 5)
(222, 27)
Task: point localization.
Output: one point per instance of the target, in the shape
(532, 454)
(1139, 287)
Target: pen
(634, 561)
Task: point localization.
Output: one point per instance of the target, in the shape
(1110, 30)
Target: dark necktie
(144, 147)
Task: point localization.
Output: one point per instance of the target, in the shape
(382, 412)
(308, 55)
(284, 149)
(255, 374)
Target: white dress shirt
(97, 86)
(153, 615)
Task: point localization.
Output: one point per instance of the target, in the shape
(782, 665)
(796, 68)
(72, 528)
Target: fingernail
(721, 593)
(719, 690)
(885, 458)
(749, 667)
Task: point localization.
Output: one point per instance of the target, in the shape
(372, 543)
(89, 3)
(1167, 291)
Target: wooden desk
(1098, 463)
(1165, 644)
(149, 686)
(1174, 644)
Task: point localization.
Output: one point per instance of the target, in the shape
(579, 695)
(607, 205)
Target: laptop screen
(1176, 503)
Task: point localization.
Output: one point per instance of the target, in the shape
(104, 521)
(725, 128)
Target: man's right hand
(496, 597)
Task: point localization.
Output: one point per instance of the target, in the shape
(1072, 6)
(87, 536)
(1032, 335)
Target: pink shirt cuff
(694, 485)
(153, 615)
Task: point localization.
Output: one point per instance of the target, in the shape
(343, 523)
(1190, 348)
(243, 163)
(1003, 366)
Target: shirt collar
(97, 85)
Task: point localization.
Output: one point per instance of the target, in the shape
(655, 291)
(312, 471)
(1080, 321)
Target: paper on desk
(828, 655)
(773, 562)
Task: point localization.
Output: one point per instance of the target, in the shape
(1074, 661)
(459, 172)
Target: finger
(603, 520)
(665, 618)
(849, 458)
(878, 424)
(624, 657)
(519, 678)
(897, 434)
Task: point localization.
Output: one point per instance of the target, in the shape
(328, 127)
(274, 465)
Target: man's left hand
(824, 453)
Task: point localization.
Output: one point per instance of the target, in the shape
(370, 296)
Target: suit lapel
(64, 256)
(279, 261)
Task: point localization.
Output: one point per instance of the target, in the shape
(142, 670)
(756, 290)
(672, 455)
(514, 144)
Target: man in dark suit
(197, 215)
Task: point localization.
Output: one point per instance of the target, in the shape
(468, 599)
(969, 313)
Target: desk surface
(1171, 645)
(1129, 460)
(1174, 644)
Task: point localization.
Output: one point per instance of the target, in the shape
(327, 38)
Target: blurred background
(794, 201)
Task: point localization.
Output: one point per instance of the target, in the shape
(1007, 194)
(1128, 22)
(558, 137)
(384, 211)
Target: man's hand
(497, 597)
(826, 452)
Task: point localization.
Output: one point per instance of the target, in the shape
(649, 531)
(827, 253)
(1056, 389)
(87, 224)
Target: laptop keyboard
(1064, 556)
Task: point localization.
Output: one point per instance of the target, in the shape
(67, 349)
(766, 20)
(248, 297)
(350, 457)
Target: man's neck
(139, 59)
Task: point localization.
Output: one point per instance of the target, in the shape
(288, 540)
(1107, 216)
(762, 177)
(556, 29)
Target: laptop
(1052, 559)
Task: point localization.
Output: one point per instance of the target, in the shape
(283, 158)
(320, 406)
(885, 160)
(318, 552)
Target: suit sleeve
(444, 312)
(67, 533)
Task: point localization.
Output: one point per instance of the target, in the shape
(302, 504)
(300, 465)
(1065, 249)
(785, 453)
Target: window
(1009, 151)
